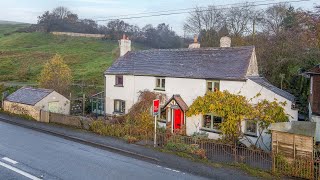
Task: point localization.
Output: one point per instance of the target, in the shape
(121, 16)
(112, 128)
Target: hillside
(22, 56)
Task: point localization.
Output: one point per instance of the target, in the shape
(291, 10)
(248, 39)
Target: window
(119, 106)
(160, 83)
(119, 80)
(211, 122)
(213, 86)
(250, 128)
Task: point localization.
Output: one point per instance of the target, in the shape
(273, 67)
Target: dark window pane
(158, 83)
(163, 83)
(207, 121)
(216, 86)
(209, 86)
(119, 80)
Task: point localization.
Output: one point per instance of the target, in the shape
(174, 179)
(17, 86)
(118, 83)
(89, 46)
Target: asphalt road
(28, 154)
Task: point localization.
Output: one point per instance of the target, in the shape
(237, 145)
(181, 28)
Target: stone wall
(78, 34)
(22, 109)
(74, 121)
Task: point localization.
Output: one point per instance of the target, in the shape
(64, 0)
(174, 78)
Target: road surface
(28, 154)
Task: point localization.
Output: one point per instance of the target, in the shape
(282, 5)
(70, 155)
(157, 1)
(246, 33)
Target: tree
(210, 18)
(234, 109)
(56, 75)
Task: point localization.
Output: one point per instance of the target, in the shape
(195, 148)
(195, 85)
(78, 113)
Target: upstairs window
(211, 122)
(213, 86)
(119, 106)
(119, 80)
(160, 83)
(250, 128)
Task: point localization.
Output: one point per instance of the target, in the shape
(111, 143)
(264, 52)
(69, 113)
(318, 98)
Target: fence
(306, 168)
(225, 153)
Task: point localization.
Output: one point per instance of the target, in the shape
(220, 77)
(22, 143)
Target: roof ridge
(195, 49)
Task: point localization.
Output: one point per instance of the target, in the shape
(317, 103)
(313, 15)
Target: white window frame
(211, 123)
(116, 81)
(122, 107)
(213, 82)
(248, 132)
(160, 87)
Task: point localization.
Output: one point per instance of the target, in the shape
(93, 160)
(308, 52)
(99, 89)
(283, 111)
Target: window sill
(251, 135)
(118, 113)
(157, 89)
(211, 130)
(118, 85)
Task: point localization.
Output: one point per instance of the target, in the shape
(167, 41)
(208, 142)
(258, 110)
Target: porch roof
(183, 106)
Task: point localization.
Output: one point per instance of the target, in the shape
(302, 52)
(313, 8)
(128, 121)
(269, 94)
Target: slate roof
(28, 96)
(304, 128)
(265, 83)
(202, 63)
(179, 101)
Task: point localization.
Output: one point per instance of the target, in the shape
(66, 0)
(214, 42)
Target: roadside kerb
(83, 141)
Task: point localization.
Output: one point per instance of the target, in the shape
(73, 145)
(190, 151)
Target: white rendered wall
(189, 90)
(64, 103)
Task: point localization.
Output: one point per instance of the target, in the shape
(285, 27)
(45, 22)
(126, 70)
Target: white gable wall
(62, 103)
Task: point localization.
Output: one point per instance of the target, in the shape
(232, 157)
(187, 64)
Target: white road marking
(19, 171)
(10, 160)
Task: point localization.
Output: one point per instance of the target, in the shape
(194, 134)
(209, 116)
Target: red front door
(178, 119)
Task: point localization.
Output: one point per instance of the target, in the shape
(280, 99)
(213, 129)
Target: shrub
(130, 139)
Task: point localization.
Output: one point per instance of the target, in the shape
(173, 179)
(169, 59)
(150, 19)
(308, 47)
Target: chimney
(125, 45)
(195, 44)
(225, 41)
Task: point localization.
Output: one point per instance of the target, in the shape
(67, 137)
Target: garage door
(54, 107)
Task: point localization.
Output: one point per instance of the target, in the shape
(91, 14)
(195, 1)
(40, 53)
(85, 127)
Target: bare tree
(200, 19)
(274, 17)
(61, 12)
(239, 19)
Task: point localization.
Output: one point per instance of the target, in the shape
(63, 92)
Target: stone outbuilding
(31, 101)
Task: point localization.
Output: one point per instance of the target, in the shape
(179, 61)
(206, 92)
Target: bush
(179, 146)
(130, 139)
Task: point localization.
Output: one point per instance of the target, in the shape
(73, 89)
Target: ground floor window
(250, 127)
(211, 122)
(119, 106)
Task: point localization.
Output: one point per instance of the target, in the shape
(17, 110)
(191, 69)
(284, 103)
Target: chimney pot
(195, 44)
(125, 45)
(225, 41)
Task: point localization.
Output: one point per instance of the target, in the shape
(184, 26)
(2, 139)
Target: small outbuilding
(294, 140)
(31, 101)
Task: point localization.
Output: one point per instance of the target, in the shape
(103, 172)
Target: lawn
(22, 55)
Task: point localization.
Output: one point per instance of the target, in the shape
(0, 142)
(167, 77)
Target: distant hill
(11, 22)
(22, 55)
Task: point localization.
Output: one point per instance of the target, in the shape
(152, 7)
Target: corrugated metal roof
(265, 83)
(295, 127)
(29, 96)
(202, 63)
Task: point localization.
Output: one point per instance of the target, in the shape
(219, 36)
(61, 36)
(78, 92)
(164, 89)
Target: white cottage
(183, 75)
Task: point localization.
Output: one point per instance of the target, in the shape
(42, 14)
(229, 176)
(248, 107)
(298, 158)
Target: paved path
(28, 154)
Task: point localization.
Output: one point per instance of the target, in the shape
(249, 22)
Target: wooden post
(83, 103)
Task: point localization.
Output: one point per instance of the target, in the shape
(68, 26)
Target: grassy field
(22, 55)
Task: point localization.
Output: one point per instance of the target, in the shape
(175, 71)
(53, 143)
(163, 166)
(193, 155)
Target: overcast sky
(29, 10)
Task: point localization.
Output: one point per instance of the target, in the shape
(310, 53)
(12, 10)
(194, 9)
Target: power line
(185, 12)
(174, 10)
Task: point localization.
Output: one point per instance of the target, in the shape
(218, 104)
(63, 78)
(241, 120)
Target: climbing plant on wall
(234, 109)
